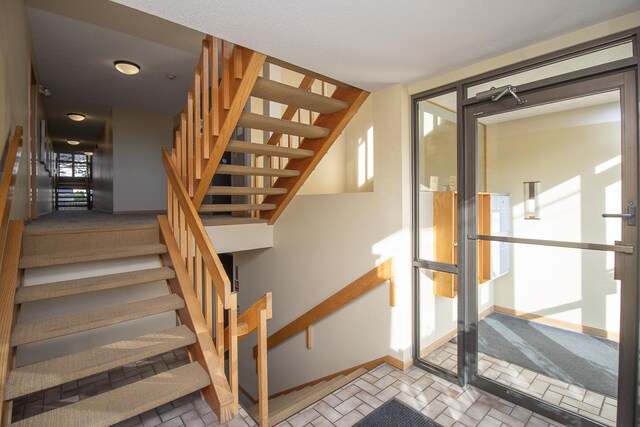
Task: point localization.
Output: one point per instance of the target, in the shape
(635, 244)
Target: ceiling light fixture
(76, 117)
(73, 142)
(89, 153)
(127, 67)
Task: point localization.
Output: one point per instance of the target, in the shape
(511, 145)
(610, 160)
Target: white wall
(139, 179)
(15, 72)
(321, 244)
(575, 156)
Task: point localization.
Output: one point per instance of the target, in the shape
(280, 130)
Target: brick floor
(447, 403)
(576, 399)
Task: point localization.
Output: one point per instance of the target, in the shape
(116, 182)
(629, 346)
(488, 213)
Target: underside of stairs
(155, 376)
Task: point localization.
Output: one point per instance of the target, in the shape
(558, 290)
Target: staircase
(288, 404)
(121, 403)
(227, 78)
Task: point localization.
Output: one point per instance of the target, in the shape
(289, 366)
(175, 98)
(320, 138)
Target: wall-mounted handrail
(370, 280)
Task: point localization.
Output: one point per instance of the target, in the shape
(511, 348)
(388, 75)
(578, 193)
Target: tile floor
(435, 397)
(573, 398)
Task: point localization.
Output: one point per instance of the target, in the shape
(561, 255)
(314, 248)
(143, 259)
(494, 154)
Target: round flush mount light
(127, 67)
(73, 142)
(89, 153)
(76, 117)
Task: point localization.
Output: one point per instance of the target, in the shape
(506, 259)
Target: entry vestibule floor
(573, 398)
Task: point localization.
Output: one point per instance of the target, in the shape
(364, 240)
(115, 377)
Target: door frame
(624, 81)
(460, 87)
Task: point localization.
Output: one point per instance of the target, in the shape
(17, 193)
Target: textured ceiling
(74, 58)
(373, 43)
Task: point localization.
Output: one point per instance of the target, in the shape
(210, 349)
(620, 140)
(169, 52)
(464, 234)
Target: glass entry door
(551, 248)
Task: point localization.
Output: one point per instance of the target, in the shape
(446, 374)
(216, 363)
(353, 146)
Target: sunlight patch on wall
(608, 164)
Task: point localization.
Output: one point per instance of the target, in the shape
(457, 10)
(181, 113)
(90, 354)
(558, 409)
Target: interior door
(551, 248)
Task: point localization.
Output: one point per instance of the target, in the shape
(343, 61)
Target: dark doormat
(580, 359)
(394, 413)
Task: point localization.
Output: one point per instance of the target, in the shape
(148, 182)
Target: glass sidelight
(552, 198)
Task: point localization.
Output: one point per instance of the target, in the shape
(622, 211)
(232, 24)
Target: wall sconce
(531, 200)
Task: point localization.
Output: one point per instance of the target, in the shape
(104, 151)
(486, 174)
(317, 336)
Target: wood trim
(438, 343)
(373, 278)
(8, 182)
(613, 336)
(251, 318)
(336, 122)
(393, 361)
(209, 255)
(8, 282)
(218, 395)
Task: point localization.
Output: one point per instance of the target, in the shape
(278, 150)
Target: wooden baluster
(206, 108)
(170, 204)
(174, 197)
(183, 236)
(190, 143)
(215, 87)
(183, 147)
(219, 324)
(198, 122)
(237, 62)
(190, 256)
(226, 76)
(208, 300)
(233, 347)
(178, 150)
(263, 377)
(198, 268)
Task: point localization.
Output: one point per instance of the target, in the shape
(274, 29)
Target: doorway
(525, 233)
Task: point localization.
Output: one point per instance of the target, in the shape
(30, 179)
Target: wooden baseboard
(247, 395)
(613, 336)
(396, 363)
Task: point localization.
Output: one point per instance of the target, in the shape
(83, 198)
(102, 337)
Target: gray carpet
(396, 414)
(579, 359)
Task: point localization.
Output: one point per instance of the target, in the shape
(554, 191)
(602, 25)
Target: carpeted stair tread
(231, 207)
(91, 284)
(248, 170)
(53, 372)
(267, 150)
(27, 332)
(61, 258)
(218, 190)
(289, 95)
(125, 402)
(287, 127)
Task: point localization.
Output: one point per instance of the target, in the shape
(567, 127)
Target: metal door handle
(630, 216)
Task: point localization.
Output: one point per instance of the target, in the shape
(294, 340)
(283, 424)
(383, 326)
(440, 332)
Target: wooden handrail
(219, 395)
(375, 277)
(9, 174)
(209, 255)
(8, 283)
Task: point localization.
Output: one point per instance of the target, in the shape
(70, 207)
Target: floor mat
(584, 360)
(396, 414)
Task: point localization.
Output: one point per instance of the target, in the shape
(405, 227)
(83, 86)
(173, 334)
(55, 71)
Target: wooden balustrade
(370, 280)
(10, 251)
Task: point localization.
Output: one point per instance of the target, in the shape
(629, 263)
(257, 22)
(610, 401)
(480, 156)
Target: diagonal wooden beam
(239, 93)
(336, 122)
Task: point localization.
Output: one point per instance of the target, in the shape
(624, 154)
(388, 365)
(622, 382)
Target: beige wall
(139, 179)
(15, 47)
(321, 244)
